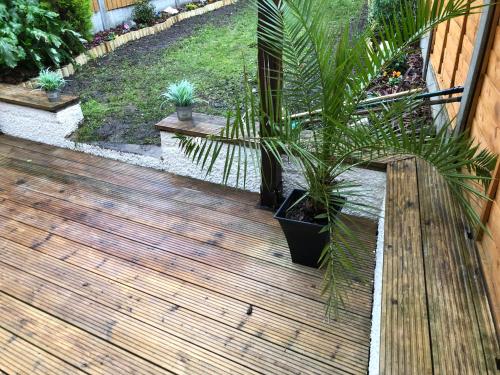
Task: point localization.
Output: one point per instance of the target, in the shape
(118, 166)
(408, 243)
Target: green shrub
(144, 13)
(32, 36)
(384, 11)
(191, 6)
(50, 81)
(76, 13)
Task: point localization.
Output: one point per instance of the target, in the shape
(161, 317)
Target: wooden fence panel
(115, 4)
(485, 129)
(95, 6)
(451, 58)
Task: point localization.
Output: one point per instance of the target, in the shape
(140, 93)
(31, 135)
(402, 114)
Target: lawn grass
(212, 58)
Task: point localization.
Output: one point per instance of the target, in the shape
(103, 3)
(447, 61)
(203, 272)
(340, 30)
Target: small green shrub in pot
(52, 83)
(182, 95)
(144, 13)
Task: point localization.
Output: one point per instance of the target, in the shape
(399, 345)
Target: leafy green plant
(191, 6)
(399, 64)
(395, 78)
(384, 12)
(181, 94)
(76, 15)
(34, 36)
(338, 133)
(144, 12)
(111, 36)
(48, 80)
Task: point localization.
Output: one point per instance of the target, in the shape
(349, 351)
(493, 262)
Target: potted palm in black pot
(326, 76)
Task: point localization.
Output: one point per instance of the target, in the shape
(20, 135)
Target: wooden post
(270, 80)
(103, 12)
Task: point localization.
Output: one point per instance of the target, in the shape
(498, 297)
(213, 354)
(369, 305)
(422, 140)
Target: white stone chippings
(38, 125)
(373, 367)
(176, 162)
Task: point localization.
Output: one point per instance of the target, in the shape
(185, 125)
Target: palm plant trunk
(270, 81)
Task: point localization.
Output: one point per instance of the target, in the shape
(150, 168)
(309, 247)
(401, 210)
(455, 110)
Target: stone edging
(109, 46)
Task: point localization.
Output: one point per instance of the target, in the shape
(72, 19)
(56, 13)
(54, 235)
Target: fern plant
(327, 75)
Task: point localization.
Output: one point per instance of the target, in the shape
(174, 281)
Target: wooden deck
(107, 267)
(435, 313)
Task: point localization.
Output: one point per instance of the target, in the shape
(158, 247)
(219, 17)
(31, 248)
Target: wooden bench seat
(435, 313)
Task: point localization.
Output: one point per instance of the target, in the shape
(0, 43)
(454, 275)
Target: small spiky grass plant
(49, 81)
(181, 94)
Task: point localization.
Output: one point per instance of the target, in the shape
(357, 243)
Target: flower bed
(403, 75)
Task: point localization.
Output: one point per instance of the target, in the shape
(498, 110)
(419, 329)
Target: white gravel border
(373, 367)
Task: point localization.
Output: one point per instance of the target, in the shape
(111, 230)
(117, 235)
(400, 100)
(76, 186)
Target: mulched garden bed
(404, 75)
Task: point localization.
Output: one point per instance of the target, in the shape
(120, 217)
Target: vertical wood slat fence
(452, 60)
(115, 4)
(112, 4)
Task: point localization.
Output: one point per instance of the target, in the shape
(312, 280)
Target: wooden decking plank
(198, 256)
(176, 225)
(23, 96)
(18, 356)
(261, 323)
(199, 275)
(165, 180)
(78, 347)
(124, 330)
(158, 222)
(404, 333)
(448, 314)
(240, 226)
(455, 349)
(480, 312)
(242, 348)
(147, 231)
(141, 340)
(121, 185)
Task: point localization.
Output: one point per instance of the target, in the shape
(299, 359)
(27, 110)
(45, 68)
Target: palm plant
(326, 75)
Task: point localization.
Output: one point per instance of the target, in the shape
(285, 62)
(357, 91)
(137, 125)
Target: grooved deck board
(108, 267)
(435, 313)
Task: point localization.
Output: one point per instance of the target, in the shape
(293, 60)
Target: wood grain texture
(34, 99)
(436, 318)
(200, 125)
(165, 270)
(484, 122)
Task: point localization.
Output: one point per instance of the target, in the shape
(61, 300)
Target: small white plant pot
(184, 113)
(53, 96)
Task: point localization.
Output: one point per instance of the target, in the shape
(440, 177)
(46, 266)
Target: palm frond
(327, 75)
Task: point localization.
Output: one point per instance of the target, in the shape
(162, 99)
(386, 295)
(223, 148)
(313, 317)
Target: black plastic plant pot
(304, 238)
